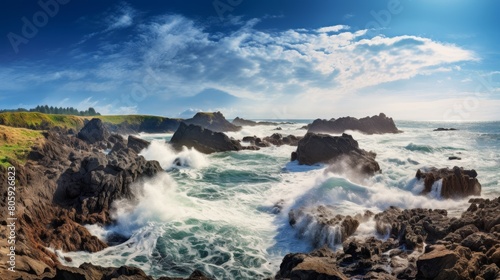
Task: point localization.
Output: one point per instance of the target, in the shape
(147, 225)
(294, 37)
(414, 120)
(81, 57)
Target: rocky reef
(417, 244)
(67, 182)
(378, 124)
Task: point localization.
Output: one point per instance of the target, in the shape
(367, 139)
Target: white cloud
(335, 28)
(174, 56)
(122, 17)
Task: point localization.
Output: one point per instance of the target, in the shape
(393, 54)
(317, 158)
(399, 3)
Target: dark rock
(467, 247)
(445, 129)
(137, 144)
(435, 262)
(342, 152)
(278, 128)
(94, 131)
(203, 140)
(250, 139)
(158, 125)
(370, 125)
(454, 158)
(278, 139)
(212, 121)
(242, 122)
(316, 265)
(456, 182)
(89, 271)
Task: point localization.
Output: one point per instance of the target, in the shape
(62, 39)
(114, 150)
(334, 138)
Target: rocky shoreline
(418, 244)
(74, 178)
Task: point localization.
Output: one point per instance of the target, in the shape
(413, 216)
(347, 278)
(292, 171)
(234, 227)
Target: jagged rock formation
(212, 121)
(370, 125)
(276, 139)
(203, 140)
(456, 182)
(137, 144)
(341, 152)
(93, 132)
(68, 182)
(420, 244)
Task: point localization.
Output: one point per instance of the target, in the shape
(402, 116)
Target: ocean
(217, 213)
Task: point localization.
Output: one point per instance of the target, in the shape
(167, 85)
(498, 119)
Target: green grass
(16, 143)
(40, 121)
(130, 119)
(19, 131)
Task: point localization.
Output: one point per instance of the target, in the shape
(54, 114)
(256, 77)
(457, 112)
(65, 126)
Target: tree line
(56, 110)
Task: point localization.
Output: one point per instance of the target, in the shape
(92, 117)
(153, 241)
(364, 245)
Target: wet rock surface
(341, 152)
(66, 183)
(203, 140)
(456, 182)
(417, 244)
(378, 124)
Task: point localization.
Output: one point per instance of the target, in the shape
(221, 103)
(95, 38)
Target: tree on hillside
(45, 109)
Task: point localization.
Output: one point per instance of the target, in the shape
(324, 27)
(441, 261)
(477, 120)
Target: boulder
(212, 121)
(137, 144)
(436, 262)
(456, 182)
(369, 125)
(94, 131)
(341, 152)
(203, 140)
(319, 264)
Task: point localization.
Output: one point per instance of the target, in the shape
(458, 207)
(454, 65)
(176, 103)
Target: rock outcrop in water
(203, 140)
(456, 182)
(212, 121)
(420, 244)
(276, 139)
(369, 125)
(242, 122)
(341, 152)
(445, 129)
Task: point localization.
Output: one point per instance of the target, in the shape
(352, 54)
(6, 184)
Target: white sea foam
(166, 156)
(216, 212)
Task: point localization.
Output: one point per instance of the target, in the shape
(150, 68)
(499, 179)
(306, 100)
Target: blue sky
(420, 60)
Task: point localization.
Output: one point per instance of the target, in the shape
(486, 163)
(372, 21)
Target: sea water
(217, 213)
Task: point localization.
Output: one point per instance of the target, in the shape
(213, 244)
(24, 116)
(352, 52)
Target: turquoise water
(216, 213)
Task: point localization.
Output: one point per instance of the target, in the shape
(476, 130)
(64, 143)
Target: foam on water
(162, 152)
(227, 213)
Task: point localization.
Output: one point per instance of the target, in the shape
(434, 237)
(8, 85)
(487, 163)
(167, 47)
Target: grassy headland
(16, 143)
(40, 121)
(19, 131)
